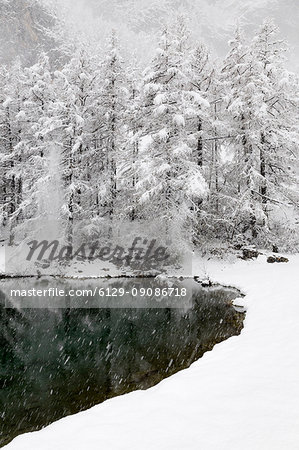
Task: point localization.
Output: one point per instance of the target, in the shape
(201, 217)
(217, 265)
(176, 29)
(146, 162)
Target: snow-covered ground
(242, 395)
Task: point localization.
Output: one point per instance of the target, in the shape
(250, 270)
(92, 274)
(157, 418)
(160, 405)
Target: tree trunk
(199, 145)
(263, 188)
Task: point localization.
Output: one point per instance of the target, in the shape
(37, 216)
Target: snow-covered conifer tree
(134, 123)
(113, 97)
(260, 113)
(71, 127)
(170, 181)
(241, 99)
(11, 134)
(277, 138)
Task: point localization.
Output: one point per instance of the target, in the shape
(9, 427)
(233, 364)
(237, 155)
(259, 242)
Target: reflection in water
(56, 363)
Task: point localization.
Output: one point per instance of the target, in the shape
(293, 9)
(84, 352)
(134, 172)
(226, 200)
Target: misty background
(23, 23)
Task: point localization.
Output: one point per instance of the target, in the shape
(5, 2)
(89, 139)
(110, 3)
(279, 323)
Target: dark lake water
(56, 362)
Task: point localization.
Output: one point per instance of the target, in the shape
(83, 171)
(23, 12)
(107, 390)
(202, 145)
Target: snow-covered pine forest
(207, 149)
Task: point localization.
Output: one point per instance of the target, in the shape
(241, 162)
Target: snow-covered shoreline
(243, 394)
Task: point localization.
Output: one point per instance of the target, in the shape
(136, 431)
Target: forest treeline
(208, 149)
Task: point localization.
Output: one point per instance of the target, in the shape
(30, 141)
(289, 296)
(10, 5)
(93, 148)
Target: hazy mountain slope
(24, 30)
(24, 23)
(211, 20)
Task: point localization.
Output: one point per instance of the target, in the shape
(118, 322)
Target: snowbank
(242, 395)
